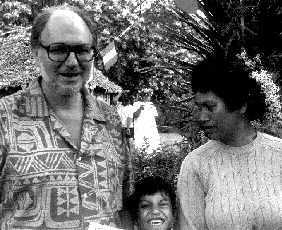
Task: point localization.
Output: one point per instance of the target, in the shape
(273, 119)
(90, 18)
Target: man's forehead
(65, 16)
(65, 25)
(63, 13)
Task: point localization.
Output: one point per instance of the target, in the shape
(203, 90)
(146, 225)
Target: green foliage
(14, 13)
(246, 25)
(164, 163)
(17, 66)
(170, 74)
(134, 47)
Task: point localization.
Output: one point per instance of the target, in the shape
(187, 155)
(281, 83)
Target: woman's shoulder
(198, 161)
(267, 140)
(202, 153)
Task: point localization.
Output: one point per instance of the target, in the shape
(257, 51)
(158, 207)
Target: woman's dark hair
(230, 81)
(43, 17)
(149, 186)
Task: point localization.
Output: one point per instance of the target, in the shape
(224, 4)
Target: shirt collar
(34, 104)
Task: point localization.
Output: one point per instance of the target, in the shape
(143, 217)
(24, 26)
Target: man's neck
(70, 111)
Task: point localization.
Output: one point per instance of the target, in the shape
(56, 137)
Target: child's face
(155, 212)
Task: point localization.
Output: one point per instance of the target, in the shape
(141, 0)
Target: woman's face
(215, 119)
(155, 212)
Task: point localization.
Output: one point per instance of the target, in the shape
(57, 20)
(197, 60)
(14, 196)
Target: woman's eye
(206, 106)
(210, 107)
(142, 206)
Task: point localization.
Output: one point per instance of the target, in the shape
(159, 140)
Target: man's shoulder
(25, 95)
(105, 106)
(104, 109)
(13, 95)
(29, 101)
(10, 100)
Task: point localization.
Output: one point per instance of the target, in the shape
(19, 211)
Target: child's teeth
(156, 222)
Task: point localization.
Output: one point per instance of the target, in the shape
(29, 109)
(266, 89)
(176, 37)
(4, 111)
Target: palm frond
(185, 39)
(252, 25)
(229, 27)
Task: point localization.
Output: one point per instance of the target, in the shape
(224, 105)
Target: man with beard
(61, 157)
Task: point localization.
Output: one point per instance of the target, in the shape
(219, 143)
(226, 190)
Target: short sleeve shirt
(46, 182)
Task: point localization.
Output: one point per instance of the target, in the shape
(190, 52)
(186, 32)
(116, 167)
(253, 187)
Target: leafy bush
(17, 66)
(164, 163)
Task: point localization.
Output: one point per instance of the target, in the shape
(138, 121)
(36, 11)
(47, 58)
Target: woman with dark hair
(152, 205)
(234, 180)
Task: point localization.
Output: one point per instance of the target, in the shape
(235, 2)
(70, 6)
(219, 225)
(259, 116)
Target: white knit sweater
(222, 187)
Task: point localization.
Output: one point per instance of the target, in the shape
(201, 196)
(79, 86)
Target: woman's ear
(243, 109)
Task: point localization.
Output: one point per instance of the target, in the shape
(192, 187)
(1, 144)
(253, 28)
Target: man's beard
(55, 87)
(67, 92)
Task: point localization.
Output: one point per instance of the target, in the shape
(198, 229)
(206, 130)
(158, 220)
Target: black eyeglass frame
(70, 48)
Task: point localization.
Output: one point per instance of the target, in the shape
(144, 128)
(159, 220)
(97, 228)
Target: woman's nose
(202, 114)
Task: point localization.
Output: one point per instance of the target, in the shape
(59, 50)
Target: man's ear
(35, 54)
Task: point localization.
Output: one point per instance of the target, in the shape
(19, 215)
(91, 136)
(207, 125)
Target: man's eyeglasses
(59, 52)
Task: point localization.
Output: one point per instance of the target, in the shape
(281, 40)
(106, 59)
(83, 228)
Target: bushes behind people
(164, 163)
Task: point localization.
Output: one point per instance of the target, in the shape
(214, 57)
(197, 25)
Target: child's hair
(149, 186)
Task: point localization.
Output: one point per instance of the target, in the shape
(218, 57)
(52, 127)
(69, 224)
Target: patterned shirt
(46, 181)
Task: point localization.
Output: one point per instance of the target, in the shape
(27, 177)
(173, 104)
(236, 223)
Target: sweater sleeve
(191, 197)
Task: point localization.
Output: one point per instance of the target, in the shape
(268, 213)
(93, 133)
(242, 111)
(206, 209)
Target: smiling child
(153, 204)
